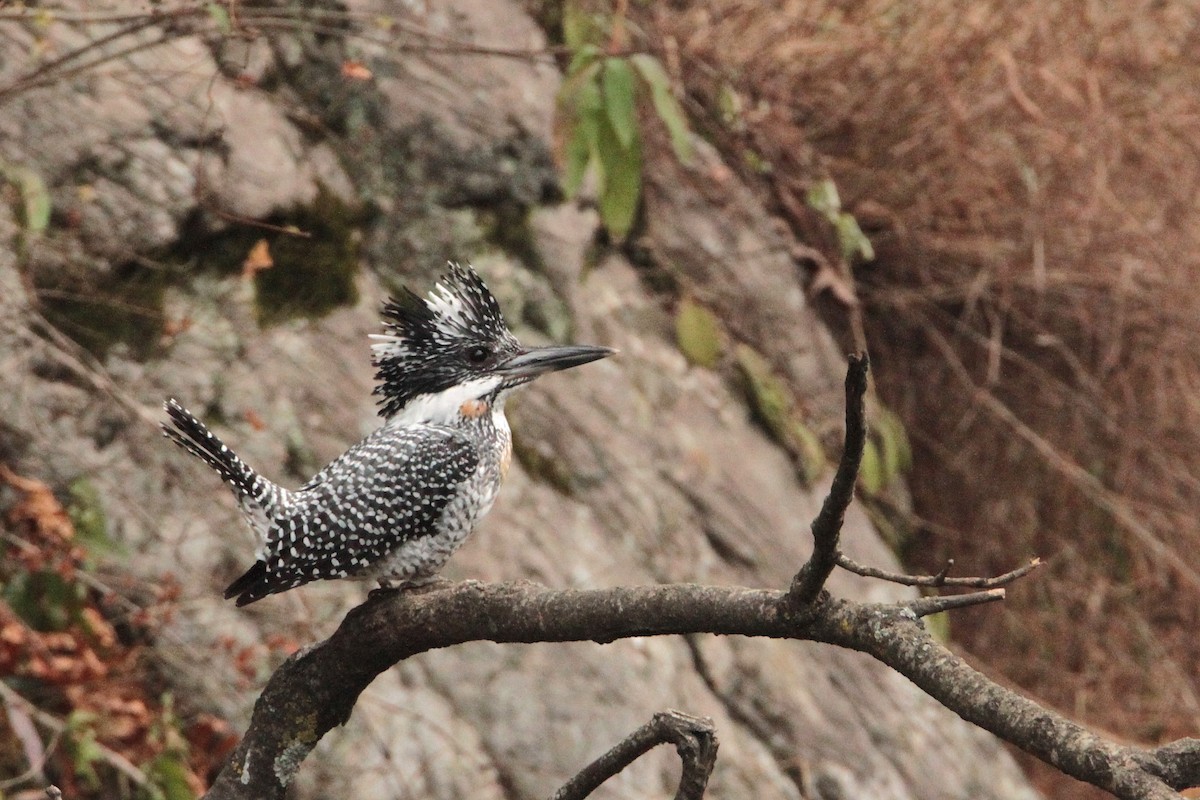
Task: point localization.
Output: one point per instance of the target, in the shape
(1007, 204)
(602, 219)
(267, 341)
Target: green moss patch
(124, 306)
(309, 276)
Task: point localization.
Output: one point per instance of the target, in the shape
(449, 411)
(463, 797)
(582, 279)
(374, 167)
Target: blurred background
(209, 200)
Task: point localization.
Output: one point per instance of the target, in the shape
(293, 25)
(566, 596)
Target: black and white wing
(388, 489)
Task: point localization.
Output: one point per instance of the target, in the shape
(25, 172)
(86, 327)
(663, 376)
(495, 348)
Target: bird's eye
(478, 355)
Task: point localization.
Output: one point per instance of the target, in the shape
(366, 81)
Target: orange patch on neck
(473, 409)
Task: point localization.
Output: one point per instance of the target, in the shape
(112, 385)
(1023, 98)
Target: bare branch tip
(925, 606)
(826, 528)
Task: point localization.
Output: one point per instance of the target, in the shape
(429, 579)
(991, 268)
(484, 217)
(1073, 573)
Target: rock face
(639, 469)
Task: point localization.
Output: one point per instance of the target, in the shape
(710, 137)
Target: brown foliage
(80, 667)
(1027, 173)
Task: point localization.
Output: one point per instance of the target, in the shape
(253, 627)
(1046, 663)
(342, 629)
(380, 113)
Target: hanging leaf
(809, 451)
(619, 99)
(851, 238)
(870, 472)
(665, 105)
(589, 118)
(823, 198)
(894, 447)
(35, 198)
(771, 402)
(938, 626)
(622, 179)
(576, 155)
(583, 58)
(258, 259)
(698, 334)
(569, 93)
(171, 777)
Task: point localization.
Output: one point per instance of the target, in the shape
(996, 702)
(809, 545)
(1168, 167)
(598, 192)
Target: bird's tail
(253, 491)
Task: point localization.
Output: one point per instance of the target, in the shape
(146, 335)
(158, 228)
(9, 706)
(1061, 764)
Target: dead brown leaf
(258, 259)
(356, 71)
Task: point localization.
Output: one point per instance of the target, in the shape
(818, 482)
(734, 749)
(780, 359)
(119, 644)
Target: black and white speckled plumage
(395, 506)
(425, 348)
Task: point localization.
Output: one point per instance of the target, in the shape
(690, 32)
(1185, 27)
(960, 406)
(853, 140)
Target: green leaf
(729, 103)
(43, 599)
(619, 99)
(570, 93)
(851, 238)
(577, 25)
(621, 179)
(698, 334)
(771, 402)
(665, 105)
(587, 95)
(220, 17)
(577, 156)
(584, 58)
(589, 118)
(809, 451)
(823, 198)
(35, 199)
(870, 472)
(652, 71)
(83, 748)
(895, 450)
(169, 774)
(938, 626)
(86, 510)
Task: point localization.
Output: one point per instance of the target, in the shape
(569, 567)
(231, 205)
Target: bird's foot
(418, 586)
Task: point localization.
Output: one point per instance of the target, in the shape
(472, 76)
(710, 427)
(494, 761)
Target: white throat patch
(444, 407)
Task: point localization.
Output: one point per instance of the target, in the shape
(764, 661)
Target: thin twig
(941, 579)
(694, 738)
(31, 82)
(827, 527)
(924, 606)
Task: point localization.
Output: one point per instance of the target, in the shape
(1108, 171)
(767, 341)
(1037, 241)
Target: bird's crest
(429, 341)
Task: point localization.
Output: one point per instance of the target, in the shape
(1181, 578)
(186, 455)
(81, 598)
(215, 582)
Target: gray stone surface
(638, 469)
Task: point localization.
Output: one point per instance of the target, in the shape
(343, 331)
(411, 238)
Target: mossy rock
(101, 310)
(309, 276)
(313, 276)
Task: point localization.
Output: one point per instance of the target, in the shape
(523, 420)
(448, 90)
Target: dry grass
(1029, 174)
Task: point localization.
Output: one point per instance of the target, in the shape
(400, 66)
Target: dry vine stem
(317, 688)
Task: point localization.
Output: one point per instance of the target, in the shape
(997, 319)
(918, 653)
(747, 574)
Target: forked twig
(694, 738)
(827, 527)
(941, 579)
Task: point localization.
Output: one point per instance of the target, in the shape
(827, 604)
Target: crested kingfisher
(395, 506)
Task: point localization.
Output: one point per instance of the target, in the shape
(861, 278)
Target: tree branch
(694, 738)
(315, 689)
(941, 579)
(827, 527)
(924, 606)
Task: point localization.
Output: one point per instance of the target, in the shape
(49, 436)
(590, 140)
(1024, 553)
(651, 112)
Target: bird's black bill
(540, 360)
